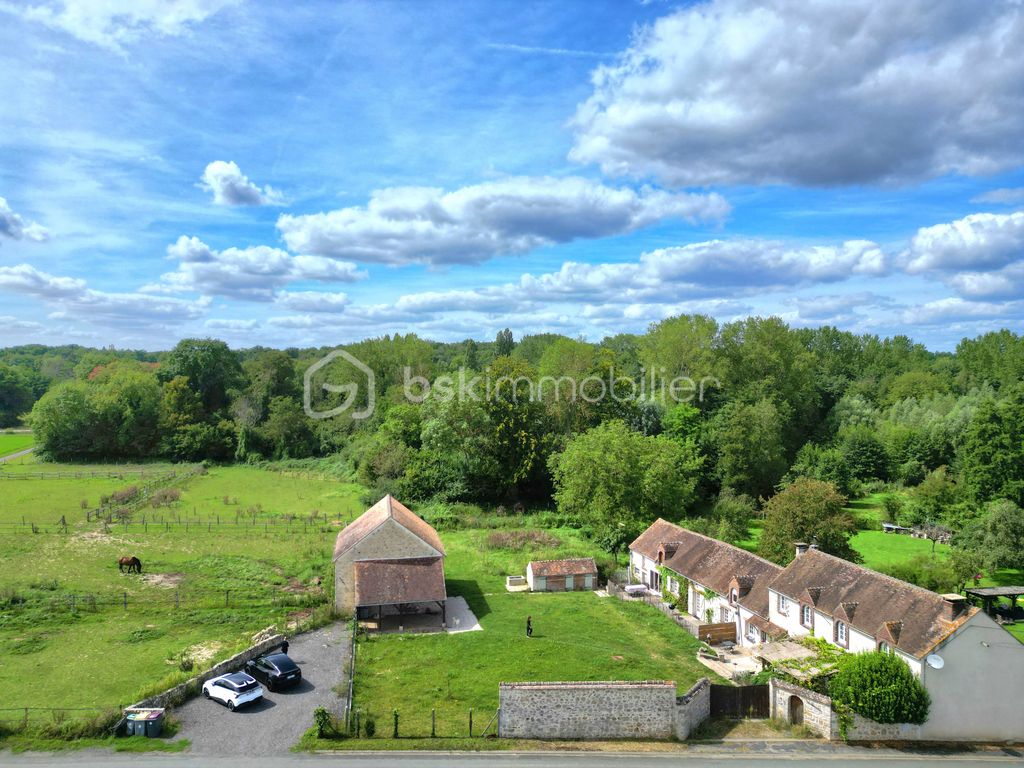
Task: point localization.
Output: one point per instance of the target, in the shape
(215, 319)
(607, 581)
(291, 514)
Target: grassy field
(12, 442)
(577, 636)
(230, 580)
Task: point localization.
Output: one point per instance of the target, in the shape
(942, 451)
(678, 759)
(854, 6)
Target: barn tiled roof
(710, 562)
(388, 507)
(907, 616)
(390, 582)
(572, 567)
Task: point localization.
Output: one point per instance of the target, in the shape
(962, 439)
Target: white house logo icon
(349, 390)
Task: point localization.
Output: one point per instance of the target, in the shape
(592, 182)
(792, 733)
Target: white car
(233, 690)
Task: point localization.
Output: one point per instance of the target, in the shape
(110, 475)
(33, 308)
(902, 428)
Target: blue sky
(318, 173)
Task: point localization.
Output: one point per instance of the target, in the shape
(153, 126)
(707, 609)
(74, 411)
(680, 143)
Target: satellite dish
(935, 661)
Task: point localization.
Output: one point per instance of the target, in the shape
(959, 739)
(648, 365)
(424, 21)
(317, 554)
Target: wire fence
(186, 525)
(25, 716)
(435, 723)
(87, 474)
(179, 599)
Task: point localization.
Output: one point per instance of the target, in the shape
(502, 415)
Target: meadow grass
(12, 442)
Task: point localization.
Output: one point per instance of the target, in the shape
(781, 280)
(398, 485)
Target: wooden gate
(739, 701)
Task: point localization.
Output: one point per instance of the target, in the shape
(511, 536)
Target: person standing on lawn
(529, 626)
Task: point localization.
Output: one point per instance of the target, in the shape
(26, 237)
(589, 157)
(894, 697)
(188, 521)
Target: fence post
(177, 598)
(471, 722)
(433, 723)
(227, 597)
(125, 600)
(394, 733)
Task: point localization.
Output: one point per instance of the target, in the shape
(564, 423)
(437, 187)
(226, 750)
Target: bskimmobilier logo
(349, 390)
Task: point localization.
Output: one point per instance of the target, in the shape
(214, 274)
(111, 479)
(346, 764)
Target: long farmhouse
(972, 668)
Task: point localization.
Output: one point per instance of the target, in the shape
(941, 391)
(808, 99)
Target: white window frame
(570, 583)
(783, 605)
(807, 611)
(733, 596)
(842, 633)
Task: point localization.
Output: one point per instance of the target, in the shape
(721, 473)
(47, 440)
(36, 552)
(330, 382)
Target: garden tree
(931, 501)
(504, 343)
(748, 441)
(16, 395)
(965, 563)
(998, 535)
(61, 420)
(880, 687)
(926, 571)
(211, 368)
(811, 511)
(287, 432)
(863, 453)
(992, 453)
(615, 481)
(821, 463)
(730, 517)
(892, 507)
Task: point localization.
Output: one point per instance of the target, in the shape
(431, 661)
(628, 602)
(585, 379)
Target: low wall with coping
(601, 710)
(190, 687)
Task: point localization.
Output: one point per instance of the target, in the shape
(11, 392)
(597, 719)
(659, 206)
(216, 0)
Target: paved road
(10, 456)
(697, 758)
(274, 725)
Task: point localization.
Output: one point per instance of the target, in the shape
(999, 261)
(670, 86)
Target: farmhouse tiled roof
(392, 582)
(709, 562)
(388, 507)
(909, 617)
(571, 567)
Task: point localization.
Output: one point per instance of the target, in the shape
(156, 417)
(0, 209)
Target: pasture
(12, 442)
(236, 552)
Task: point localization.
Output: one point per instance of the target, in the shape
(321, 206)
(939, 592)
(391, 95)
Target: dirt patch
(264, 635)
(165, 580)
(296, 617)
(617, 658)
(200, 653)
(295, 587)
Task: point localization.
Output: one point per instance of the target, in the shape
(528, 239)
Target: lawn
(577, 636)
(229, 581)
(12, 442)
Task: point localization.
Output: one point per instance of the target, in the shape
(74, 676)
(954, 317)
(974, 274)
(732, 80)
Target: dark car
(275, 670)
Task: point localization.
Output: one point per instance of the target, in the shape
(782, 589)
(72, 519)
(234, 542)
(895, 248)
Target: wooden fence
(713, 634)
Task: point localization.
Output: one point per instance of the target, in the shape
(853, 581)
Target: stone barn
(389, 561)
(562, 575)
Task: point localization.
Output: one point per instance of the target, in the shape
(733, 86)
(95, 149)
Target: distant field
(12, 442)
(263, 571)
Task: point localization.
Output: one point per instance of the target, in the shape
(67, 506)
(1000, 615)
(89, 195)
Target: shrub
(186, 664)
(164, 497)
(370, 727)
(124, 495)
(324, 722)
(881, 687)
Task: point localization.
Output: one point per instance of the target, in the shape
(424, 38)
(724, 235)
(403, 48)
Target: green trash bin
(154, 723)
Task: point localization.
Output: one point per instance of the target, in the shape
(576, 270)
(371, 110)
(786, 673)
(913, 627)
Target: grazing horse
(133, 564)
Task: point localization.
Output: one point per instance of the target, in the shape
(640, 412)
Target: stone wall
(601, 710)
(191, 687)
(693, 708)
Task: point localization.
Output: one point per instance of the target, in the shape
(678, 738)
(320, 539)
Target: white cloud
(981, 255)
(255, 273)
(426, 225)
(312, 301)
(76, 300)
(811, 93)
(1002, 196)
(956, 310)
(218, 324)
(232, 187)
(113, 24)
(15, 227)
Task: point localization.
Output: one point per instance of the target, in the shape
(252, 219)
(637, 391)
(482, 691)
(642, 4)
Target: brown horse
(133, 564)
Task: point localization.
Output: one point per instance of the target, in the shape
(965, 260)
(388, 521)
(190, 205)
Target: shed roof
(391, 582)
(388, 507)
(580, 566)
(709, 562)
(871, 601)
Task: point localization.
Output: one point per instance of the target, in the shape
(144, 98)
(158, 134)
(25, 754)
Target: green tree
(62, 421)
(864, 453)
(615, 481)
(504, 343)
(992, 454)
(880, 687)
(998, 534)
(16, 396)
(516, 418)
(287, 431)
(748, 440)
(821, 463)
(211, 368)
(810, 511)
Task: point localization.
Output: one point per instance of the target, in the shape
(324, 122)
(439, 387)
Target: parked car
(275, 670)
(233, 690)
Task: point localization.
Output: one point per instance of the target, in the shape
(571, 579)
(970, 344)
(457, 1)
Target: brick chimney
(801, 548)
(952, 606)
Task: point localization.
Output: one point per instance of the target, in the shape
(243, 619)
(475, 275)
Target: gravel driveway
(276, 723)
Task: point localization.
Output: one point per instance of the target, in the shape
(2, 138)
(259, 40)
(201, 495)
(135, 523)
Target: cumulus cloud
(232, 187)
(219, 324)
(16, 228)
(75, 299)
(957, 310)
(113, 24)
(255, 273)
(980, 255)
(312, 301)
(811, 93)
(427, 225)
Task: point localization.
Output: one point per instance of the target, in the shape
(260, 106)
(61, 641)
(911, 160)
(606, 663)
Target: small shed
(562, 575)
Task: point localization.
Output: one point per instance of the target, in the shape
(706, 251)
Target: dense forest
(795, 423)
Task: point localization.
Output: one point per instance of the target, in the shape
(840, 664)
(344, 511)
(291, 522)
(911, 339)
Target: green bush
(881, 687)
(370, 727)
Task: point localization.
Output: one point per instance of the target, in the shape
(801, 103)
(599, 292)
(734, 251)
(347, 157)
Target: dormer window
(733, 596)
(807, 616)
(842, 636)
(883, 647)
